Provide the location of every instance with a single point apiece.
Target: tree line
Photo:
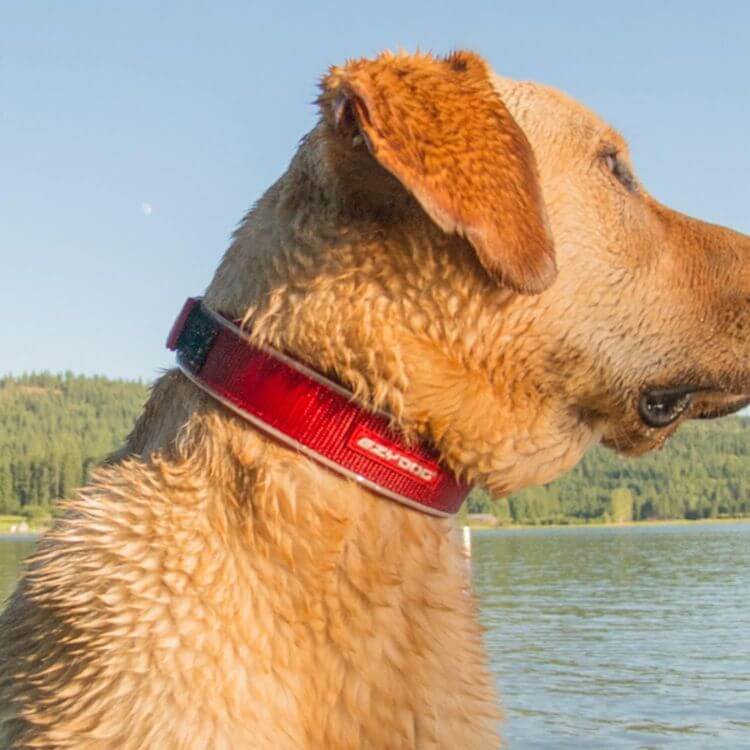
(55, 428)
(703, 472)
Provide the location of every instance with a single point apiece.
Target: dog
(475, 261)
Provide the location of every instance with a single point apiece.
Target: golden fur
(212, 589)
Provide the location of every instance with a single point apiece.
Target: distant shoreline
(37, 530)
(20, 526)
(607, 524)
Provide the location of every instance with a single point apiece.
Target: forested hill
(703, 472)
(53, 428)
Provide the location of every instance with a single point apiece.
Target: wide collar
(309, 413)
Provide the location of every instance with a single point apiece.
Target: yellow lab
(472, 257)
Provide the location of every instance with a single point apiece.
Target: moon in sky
(147, 209)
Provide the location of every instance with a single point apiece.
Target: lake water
(606, 638)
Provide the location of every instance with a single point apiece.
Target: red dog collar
(304, 410)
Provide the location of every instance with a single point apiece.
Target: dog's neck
(306, 411)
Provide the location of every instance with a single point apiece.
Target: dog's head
(647, 322)
(478, 256)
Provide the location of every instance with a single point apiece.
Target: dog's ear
(439, 126)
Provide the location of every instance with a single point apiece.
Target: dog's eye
(620, 170)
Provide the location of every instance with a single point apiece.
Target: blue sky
(134, 135)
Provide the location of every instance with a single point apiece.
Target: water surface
(606, 638)
(13, 549)
(632, 637)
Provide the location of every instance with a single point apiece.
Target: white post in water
(467, 541)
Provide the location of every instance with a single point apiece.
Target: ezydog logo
(373, 446)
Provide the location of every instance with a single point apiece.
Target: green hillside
(54, 428)
(703, 472)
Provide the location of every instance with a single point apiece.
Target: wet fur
(210, 588)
